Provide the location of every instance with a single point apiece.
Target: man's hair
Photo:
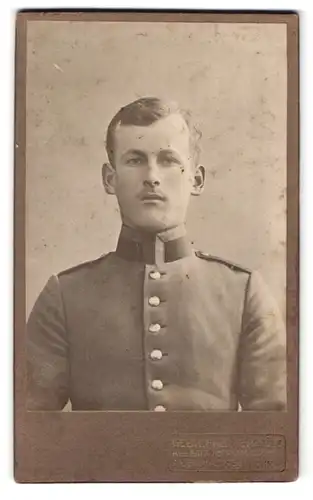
(144, 112)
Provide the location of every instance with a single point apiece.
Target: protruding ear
(198, 180)
(108, 178)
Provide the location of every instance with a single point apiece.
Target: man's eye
(134, 161)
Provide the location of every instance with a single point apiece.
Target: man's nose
(151, 178)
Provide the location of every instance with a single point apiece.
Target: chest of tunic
(155, 337)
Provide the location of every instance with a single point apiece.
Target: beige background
(232, 76)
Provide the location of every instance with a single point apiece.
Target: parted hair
(144, 112)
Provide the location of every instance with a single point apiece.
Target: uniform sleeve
(262, 353)
(47, 351)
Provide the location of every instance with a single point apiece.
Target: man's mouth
(150, 196)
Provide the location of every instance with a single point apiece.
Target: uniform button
(156, 354)
(160, 408)
(157, 385)
(155, 328)
(154, 301)
(155, 275)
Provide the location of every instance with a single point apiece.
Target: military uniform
(156, 326)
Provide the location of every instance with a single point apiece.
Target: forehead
(170, 132)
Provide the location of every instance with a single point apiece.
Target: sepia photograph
(156, 219)
(155, 321)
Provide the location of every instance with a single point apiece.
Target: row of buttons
(156, 354)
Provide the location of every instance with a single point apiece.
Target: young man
(155, 325)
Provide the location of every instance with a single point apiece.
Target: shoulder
(83, 267)
(232, 266)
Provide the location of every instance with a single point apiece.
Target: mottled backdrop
(232, 76)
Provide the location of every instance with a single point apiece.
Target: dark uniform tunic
(156, 326)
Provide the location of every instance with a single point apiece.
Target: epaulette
(231, 265)
(86, 264)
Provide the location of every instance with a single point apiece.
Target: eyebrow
(168, 152)
(136, 152)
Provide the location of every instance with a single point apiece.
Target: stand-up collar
(150, 248)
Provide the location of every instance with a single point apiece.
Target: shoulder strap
(233, 266)
(82, 265)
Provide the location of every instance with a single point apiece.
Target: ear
(198, 180)
(108, 178)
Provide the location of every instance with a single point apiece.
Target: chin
(152, 225)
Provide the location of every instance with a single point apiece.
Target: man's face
(154, 173)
